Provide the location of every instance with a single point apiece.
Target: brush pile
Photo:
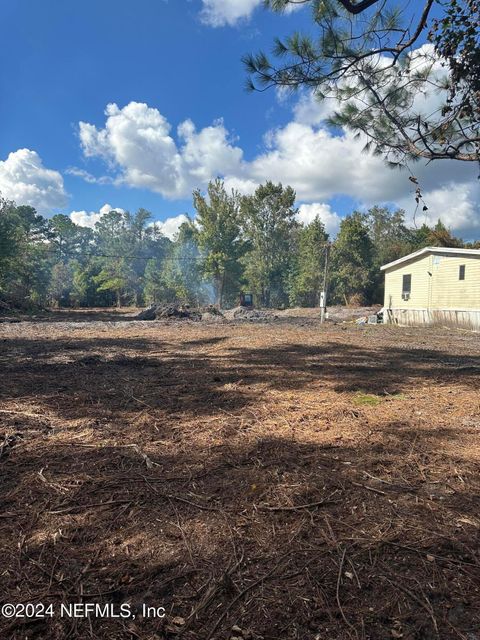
(250, 315)
(179, 312)
(205, 314)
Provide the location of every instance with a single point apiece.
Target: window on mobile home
(407, 284)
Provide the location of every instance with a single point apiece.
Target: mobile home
(435, 285)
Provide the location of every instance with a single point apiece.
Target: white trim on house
(436, 250)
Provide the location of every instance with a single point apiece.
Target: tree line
(235, 243)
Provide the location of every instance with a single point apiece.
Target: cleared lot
(294, 480)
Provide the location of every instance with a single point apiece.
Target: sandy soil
(281, 481)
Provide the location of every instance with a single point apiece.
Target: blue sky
(165, 65)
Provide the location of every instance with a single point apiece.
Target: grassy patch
(367, 399)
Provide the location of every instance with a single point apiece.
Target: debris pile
(179, 312)
(372, 319)
(212, 314)
(250, 315)
(204, 314)
(352, 314)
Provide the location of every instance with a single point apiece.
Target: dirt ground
(283, 480)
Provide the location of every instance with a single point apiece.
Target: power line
(185, 259)
(121, 257)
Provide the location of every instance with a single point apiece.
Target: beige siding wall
(421, 283)
(449, 292)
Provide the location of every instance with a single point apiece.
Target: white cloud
(245, 186)
(218, 13)
(308, 212)
(319, 165)
(309, 110)
(456, 204)
(24, 179)
(208, 152)
(170, 226)
(136, 142)
(90, 219)
(88, 177)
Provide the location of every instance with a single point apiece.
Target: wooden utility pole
(323, 295)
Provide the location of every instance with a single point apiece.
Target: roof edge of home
(420, 252)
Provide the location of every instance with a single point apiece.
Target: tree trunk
(219, 283)
(222, 287)
(266, 298)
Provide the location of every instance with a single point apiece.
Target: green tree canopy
(269, 222)
(307, 273)
(219, 238)
(183, 279)
(352, 273)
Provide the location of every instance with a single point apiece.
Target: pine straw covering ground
(275, 481)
